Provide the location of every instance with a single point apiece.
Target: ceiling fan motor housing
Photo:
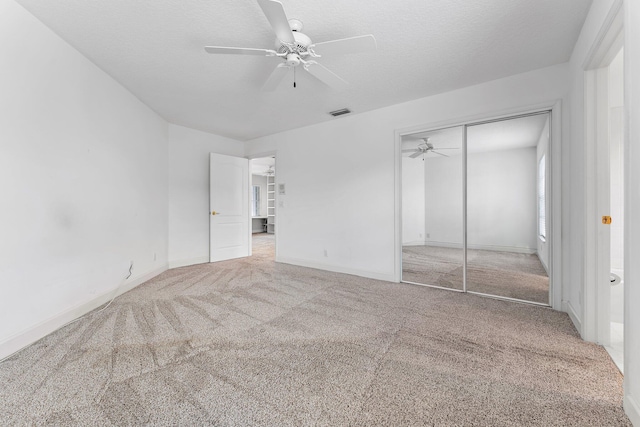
(299, 47)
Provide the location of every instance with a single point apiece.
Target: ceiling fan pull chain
(294, 77)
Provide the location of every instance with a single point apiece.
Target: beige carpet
(506, 274)
(249, 342)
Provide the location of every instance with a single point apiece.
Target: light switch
(281, 189)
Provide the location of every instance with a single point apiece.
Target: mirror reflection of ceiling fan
(296, 48)
(425, 148)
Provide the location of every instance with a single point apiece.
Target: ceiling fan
(296, 48)
(426, 147)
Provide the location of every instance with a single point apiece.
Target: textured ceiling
(155, 49)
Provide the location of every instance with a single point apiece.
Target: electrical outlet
(325, 253)
(155, 256)
(428, 236)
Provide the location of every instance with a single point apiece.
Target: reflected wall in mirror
(507, 252)
(432, 196)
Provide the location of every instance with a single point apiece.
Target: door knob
(215, 213)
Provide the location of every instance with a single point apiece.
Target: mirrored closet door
(506, 209)
(474, 208)
(432, 251)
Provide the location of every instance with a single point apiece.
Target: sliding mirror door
(507, 170)
(432, 214)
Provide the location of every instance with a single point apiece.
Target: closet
(474, 208)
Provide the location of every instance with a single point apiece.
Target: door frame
(555, 219)
(596, 291)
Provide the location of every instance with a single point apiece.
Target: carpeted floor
(250, 342)
(506, 274)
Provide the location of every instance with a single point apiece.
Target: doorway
(475, 208)
(604, 288)
(263, 206)
(611, 255)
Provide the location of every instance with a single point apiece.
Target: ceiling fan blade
(325, 75)
(435, 152)
(416, 154)
(276, 77)
(412, 150)
(349, 45)
(239, 51)
(447, 148)
(274, 11)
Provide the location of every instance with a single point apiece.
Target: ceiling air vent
(337, 113)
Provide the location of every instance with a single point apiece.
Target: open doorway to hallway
(263, 206)
(616, 208)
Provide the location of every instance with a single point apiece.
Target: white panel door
(229, 207)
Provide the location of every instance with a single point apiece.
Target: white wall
(542, 149)
(443, 200)
(501, 200)
(413, 193)
(189, 191)
(83, 178)
(346, 185)
(632, 210)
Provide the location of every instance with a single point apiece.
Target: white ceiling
(507, 134)
(155, 49)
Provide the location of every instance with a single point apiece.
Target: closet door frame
(554, 191)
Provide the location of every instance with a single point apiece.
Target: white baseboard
(514, 249)
(543, 263)
(190, 261)
(632, 409)
(568, 308)
(32, 334)
(414, 243)
(336, 269)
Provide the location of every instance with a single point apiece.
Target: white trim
(30, 335)
(337, 269)
(554, 222)
(632, 409)
(568, 308)
(479, 118)
(397, 200)
(596, 289)
(188, 261)
(609, 40)
(416, 243)
(542, 262)
(495, 248)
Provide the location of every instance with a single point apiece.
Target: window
(255, 201)
(542, 200)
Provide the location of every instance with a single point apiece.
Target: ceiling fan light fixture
(340, 112)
